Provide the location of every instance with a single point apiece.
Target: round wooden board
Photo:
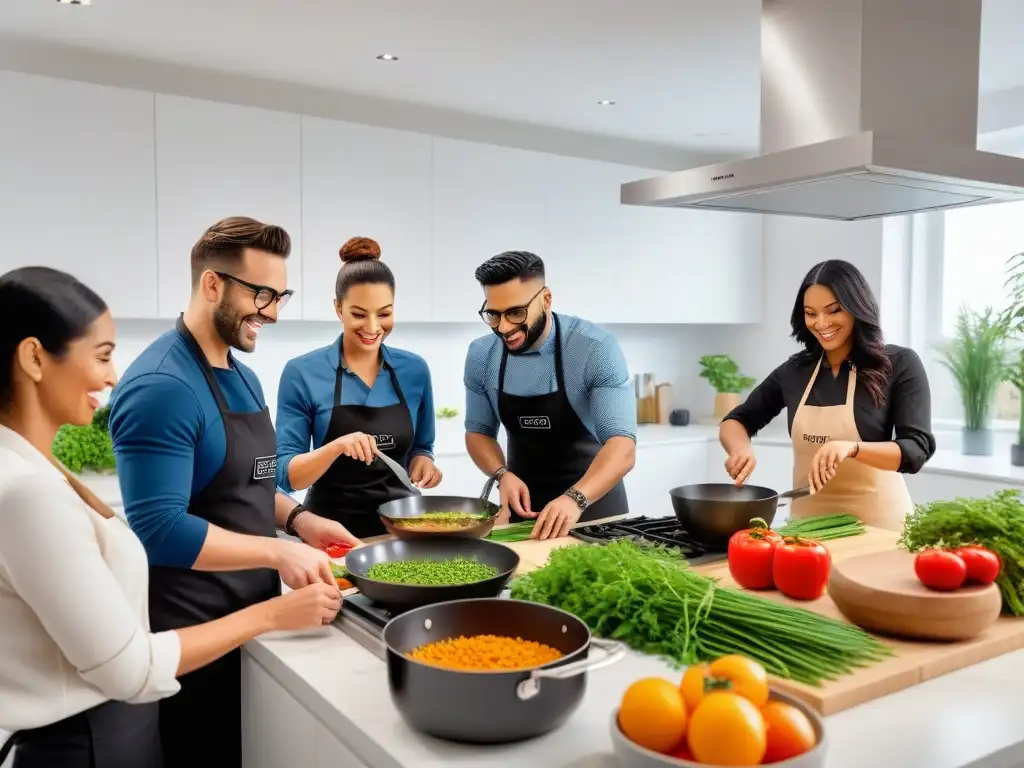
(881, 593)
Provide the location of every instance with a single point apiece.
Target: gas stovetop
(659, 530)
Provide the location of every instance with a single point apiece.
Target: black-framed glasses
(515, 315)
(262, 295)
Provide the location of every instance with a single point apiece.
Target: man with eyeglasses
(560, 387)
(196, 459)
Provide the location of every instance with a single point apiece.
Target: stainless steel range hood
(869, 108)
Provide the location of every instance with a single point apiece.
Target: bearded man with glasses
(196, 460)
(560, 387)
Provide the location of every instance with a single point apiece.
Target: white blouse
(74, 601)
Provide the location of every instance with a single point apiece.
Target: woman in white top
(80, 672)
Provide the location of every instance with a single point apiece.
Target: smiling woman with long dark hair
(859, 410)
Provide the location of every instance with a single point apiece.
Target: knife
(400, 473)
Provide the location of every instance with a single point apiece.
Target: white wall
(669, 351)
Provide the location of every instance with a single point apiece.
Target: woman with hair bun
(339, 404)
(859, 409)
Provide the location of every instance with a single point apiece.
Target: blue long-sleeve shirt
(305, 399)
(597, 379)
(169, 443)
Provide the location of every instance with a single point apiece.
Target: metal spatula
(400, 473)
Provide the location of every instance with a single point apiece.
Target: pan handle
(611, 651)
(485, 494)
(796, 493)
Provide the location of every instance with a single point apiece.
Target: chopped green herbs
(455, 570)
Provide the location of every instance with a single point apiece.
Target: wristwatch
(578, 497)
(289, 526)
(498, 473)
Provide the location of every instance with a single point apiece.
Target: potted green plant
(724, 375)
(87, 448)
(976, 357)
(1014, 374)
(1013, 318)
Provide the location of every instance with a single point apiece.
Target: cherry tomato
(734, 673)
(682, 752)
(983, 564)
(940, 569)
(751, 553)
(337, 550)
(801, 568)
(789, 732)
(726, 729)
(343, 583)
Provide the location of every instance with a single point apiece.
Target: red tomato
(337, 549)
(982, 564)
(751, 554)
(801, 568)
(940, 569)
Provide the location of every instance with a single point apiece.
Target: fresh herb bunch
(723, 374)
(648, 597)
(995, 522)
(824, 528)
(513, 532)
(977, 359)
(85, 448)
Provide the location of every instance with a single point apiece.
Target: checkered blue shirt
(597, 379)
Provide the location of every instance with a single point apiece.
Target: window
(978, 241)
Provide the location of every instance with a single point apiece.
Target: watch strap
(289, 526)
(580, 500)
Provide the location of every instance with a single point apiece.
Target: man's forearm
(485, 452)
(612, 463)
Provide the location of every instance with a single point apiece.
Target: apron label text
(535, 422)
(385, 441)
(264, 468)
(816, 439)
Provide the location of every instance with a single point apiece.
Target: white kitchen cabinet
(486, 199)
(360, 181)
(77, 185)
(276, 729)
(658, 469)
(216, 160)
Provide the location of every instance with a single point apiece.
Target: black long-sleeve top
(905, 416)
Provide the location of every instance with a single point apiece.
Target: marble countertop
(971, 717)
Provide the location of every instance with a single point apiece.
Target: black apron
(350, 490)
(204, 718)
(549, 448)
(111, 735)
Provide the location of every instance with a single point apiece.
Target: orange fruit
(692, 685)
(653, 715)
(790, 732)
(727, 729)
(745, 677)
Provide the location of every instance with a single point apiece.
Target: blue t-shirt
(305, 399)
(596, 376)
(169, 442)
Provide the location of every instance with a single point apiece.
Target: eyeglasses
(514, 315)
(263, 296)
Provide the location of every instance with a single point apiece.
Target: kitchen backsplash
(669, 351)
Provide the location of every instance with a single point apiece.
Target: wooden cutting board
(913, 663)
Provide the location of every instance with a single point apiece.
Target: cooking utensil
(399, 471)
(880, 593)
(491, 707)
(712, 512)
(407, 596)
(632, 755)
(392, 513)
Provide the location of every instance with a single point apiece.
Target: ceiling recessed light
(75, 2)
(606, 103)
(387, 57)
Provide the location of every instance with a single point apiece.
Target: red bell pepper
(801, 568)
(337, 549)
(751, 555)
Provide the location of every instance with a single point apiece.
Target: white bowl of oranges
(720, 714)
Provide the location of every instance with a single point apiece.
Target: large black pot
(491, 707)
(712, 512)
(400, 597)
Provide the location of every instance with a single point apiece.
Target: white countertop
(971, 717)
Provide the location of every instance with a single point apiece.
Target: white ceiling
(683, 72)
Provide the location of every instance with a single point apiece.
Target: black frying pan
(392, 513)
(401, 597)
(712, 512)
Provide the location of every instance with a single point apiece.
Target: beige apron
(877, 497)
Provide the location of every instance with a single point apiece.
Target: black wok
(392, 513)
(712, 512)
(399, 597)
(481, 707)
